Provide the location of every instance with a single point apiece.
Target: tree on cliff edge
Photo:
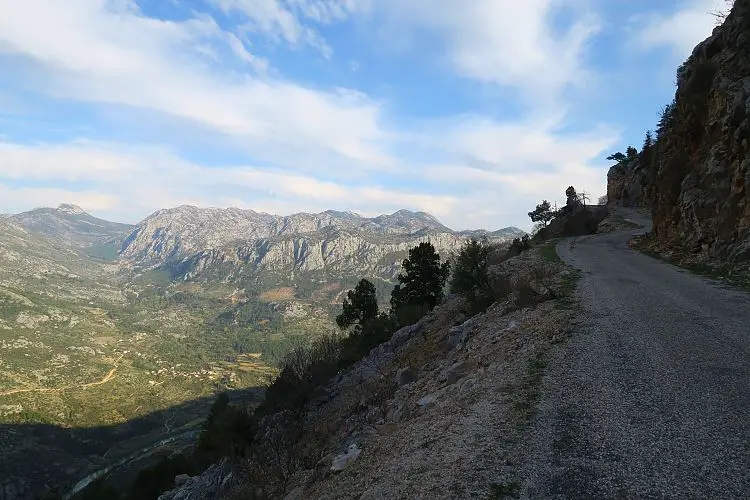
(542, 213)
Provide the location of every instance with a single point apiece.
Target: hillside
(440, 408)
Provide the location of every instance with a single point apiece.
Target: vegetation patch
(277, 295)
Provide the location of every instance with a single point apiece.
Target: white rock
(340, 462)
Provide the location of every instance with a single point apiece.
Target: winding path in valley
(650, 396)
(109, 376)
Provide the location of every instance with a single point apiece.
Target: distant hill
(70, 224)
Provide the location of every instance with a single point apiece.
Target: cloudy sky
(472, 110)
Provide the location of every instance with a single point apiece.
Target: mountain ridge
(194, 243)
(69, 223)
(194, 240)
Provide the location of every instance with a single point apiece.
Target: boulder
(340, 462)
(405, 376)
(181, 479)
(457, 371)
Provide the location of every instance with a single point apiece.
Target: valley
(104, 324)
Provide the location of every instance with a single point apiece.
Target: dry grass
(283, 294)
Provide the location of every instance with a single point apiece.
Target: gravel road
(650, 397)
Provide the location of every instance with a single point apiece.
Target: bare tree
(720, 14)
(584, 197)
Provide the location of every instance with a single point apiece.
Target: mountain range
(195, 243)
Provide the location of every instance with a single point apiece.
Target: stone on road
(650, 396)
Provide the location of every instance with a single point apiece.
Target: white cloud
(521, 145)
(683, 29)
(329, 11)
(283, 20)
(89, 51)
(506, 42)
(116, 173)
(505, 167)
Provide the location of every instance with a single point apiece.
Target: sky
(471, 110)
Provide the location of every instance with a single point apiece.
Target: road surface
(650, 396)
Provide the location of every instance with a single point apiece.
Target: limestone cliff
(702, 183)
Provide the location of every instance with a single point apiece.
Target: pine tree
(360, 305)
(543, 213)
(423, 280)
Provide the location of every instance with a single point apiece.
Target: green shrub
(155, 480)
(373, 333)
(225, 431)
(519, 245)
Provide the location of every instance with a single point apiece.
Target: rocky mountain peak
(71, 209)
(70, 223)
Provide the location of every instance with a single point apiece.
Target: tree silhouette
(572, 200)
(423, 280)
(618, 157)
(360, 305)
(543, 213)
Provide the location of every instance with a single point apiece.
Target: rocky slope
(439, 410)
(70, 224)
(197, 243)
(702, 185)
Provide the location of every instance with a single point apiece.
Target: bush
(373, 333)
(152, 482)
(360, 306)
(303, 369)
(519, 245)
(225, 431)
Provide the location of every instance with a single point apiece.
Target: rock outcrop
(702, 184)
(629, 184)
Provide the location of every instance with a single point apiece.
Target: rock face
(629, 185)
(702, 185)
(203, 242)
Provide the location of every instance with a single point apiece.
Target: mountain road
(650, 395)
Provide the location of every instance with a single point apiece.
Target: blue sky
(472, 110)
